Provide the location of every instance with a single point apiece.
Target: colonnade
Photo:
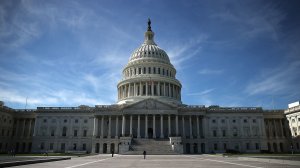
(149, 126)
(149, 88)
(276, 128)
(24, 127)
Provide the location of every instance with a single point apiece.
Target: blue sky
(227, 53)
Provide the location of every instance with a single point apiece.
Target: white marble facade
(149, 107)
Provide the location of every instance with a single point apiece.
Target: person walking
(144, 153)
(112, 153)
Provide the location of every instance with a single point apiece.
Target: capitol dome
(149, 74)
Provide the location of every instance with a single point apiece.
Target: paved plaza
(157, 161)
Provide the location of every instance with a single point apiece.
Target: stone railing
(293, 109)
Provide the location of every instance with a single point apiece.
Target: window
(75, 133)
(213, 121)
(64, 132)
(63, 146)
(163, 72)
(225, 146)
(167, 72)
(234, 132)
(245, 121)
(254, 120)
(215, 146)
(223, 121)
(247, 146)
(65, 121)
(224, 133)
(158, 70)
(76, 121)
(134, 71)
(233, 121)
(84, 146)
(140, 70)
(85, 121)
(144, 71)
(53, 121)
(256, 146)
(149, 70)
(42, 145)
(298, 119)
(74, 146)
(51, 146)
(215, 133)
(45, 121)
(52, 132)
(85, 133)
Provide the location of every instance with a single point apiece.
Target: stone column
(154, 129)
(123, 125)
(169, 89)
(165, 89)
(109, 127)
(281, 127)
(158, 89)
(141, 89)
(176, 122)
(95, 130)
(23, 128)
(173, 90)
(117, 127)
(29, 128)
(275, 128)
(146, 126)
(129, 90)
(198, 130)
(152, 88)
(161, 126)
(134, 89)
(130, 125)
(183, 128)
(35, 128)
(146, 88)
(204, 125)
(102, 125)
(169, 125)
(138, 129)
(191, 128)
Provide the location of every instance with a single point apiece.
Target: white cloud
(210, 71)
(201, 93)
(283, 80)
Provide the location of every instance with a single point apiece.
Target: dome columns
(148, 89)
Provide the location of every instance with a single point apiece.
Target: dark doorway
(275, 147)
(188, 148)
(202, 147)
(150, 132)
(104, 148)
(112, 147)
(195, 147)
(97, 148)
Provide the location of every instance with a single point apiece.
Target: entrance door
(195, 147)
(104, 148)
(188, 148)
(150, 132)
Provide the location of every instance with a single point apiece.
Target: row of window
(234, 121)
(148, 70)
(293, 120)
(63, 146)
(235, 132)
(236, 147)
(65, 121)
(64, 132)
(3, 119)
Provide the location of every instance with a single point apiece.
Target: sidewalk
(8, 161)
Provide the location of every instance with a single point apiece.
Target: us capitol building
(149, 115)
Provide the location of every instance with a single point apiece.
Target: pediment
(150, 104)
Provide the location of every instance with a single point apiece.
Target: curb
(278, 161)
(25, 162)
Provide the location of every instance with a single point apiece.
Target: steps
(151, 146)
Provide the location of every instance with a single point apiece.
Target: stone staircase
(151, 146)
